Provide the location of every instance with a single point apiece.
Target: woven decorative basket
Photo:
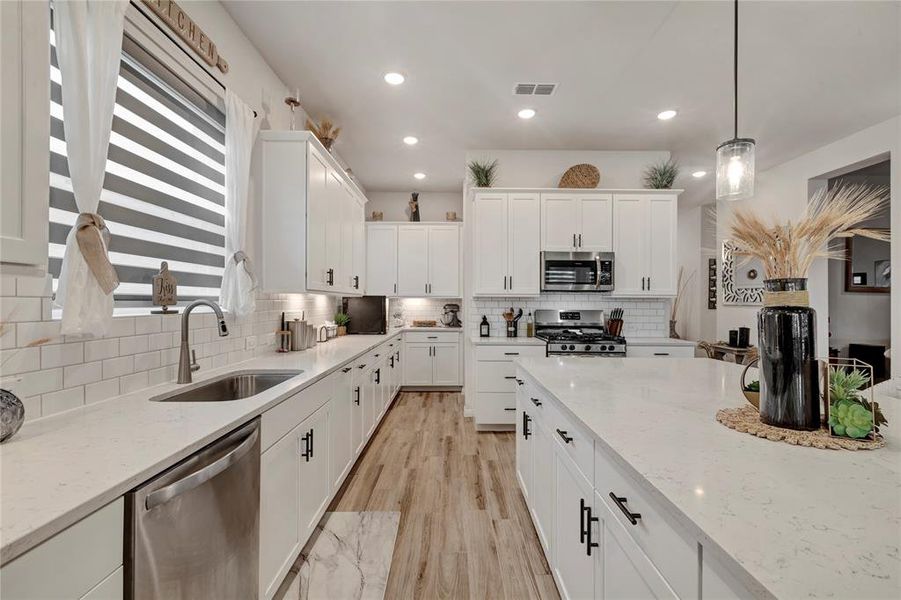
(582, 176)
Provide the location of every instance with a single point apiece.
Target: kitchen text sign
(179, 21)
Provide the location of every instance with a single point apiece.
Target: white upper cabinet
(381, 263)
(413, 260)
(645, 244)
(444, 261)
(506, 257)
(312, 218)
(24, 132)
(573, 222)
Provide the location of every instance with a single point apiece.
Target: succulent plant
(850, 414)
(850, 419)
(754, 386)
(662, 175)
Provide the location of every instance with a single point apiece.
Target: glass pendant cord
(735, 71)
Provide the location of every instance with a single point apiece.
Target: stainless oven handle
(203, 475)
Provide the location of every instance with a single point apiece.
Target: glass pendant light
(735, 157)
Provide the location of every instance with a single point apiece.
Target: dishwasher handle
(201, 476)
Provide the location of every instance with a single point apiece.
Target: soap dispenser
(484, 327)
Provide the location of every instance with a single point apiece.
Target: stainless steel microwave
(577, 271)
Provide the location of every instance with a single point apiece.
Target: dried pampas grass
(787, 250)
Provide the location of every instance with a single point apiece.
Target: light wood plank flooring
(465, 531)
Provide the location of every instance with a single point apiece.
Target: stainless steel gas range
(577, 332)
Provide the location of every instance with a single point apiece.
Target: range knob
(587, 348)
(603, 348)
(571, 347)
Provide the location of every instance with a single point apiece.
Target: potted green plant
(482, 172)
(341, 320)
(662, 175)
(850, 414)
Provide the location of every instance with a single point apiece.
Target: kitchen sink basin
(234, 386)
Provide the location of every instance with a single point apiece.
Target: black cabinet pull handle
(510, 409)
(311, 444)
(307, 453)
(331, 276)
(535, 401)
(580, 240)
(509, 376)
(526, 419)
(357, 393)
(519, 381)
(376, 355)
(356, 282)
(361, 366)
(511, 353)
(621, 503)
(661, 354)
(566, 438)
(649, 282)
(378, 376)
(582, 532)
(391, 361)
(574, 240)
(589, 544)
(346, 369)
(432, 337)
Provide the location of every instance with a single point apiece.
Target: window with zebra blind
(163, 195)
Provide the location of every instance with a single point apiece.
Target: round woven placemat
(583, 176)
(747, 420)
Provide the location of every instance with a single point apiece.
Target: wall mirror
(868, 267)
(742, 278)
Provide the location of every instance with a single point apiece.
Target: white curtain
(237, 294)
(88, 47)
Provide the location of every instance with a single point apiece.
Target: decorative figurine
(414, 208)
(165, 290)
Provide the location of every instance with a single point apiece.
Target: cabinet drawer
(432, 336)
(495, 376)
(510, 353)
(660, 351)
(282, 418)
(496, 408)
(674, 555)
(579, 443)
(71, 563)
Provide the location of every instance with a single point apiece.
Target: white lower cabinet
(680, 351)
(314, 469)
(496, 382)
(357, 427)
(340, 432)
(280, 526)
(602, 536)
(79, 562)
(432, 359)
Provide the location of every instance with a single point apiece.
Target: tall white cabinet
(644, 228)
(506, 244)
(413, 260)
(312, 219)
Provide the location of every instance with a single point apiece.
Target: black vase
(789, 382)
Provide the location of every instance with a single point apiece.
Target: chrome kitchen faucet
(187, 366)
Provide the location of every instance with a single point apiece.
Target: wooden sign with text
(179, 21)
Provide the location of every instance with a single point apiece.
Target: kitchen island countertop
(787, 521)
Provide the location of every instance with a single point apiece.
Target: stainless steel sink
(234, 386)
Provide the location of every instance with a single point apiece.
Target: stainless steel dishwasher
(193, 532)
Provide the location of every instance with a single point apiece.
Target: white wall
(855, 317)
(432, 205)
(688, 239)
(783, 192)
(544, 168)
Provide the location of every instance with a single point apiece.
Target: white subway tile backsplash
(55, 402)
(20, 360)
(101, 349)
(8, 336)
(7, 285)
(60, 355)
(148, 324)
(37, 382)
(160, 341)
(18, 310)
(133, 383)
(147, 361)
(116, 367)
(102, 390)
(134, 344)
(83, 373)
(162, 375)
(121, 327)
(28, 333)
(34, 286)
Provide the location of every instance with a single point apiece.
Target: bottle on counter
(530, 326)
(484, 327)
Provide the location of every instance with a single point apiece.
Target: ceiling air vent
(534, 89)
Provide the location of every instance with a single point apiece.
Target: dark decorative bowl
(12, 414)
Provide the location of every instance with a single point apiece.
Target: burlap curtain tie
(93, 239)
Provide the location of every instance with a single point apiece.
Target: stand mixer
(450, 318)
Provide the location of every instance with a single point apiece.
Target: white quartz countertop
(788, 521)
(658, 341)
(57, 470)
(506, 341)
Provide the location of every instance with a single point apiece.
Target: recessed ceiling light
(394, 78)
(698, 174)
(666, 115)
(411, 140)
(526, 113)
(419, 175)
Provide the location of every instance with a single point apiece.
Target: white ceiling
(811, 72)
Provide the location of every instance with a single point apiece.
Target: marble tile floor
(348, 558)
